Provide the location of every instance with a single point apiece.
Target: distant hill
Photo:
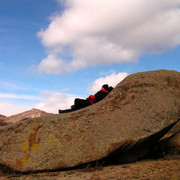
(3, 123)
(33, 113)
(2, 120)
(2, 117)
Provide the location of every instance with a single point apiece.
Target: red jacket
(91, 99)
(98, 96)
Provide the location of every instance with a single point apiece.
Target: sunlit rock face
(138, 107)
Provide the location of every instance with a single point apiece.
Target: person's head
(110, 88)
(106, 87)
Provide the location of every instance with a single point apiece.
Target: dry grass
(167, 168)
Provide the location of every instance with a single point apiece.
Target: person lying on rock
(81, 103)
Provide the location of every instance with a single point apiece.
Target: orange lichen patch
(18, 131)
(58, 136)
(25, 160)
(52, 137)
(32, 143)
(100, 112)
(26, 145)
(59, 150)
(35, 147)
(68, 138)
(34, 137)
(81, 131)
(50, 143)
(51, 140)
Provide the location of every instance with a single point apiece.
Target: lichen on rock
(141, 105)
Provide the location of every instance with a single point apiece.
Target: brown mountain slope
(33, 113)
(2, 117)
(2, 123)
(2, 120)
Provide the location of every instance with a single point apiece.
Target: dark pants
(78, 104)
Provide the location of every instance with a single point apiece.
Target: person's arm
(91, 99)
(100, 95)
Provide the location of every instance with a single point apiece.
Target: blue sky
(52, 51)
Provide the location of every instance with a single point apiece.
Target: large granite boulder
(136, 110)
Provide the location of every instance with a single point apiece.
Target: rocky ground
(167, 168)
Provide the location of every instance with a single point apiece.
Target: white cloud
(49, 101)
(52, 101)
(16, 96)
(104, 32)
(11, 103)
(112, 80)
(8, 109)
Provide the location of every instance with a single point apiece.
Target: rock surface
(171, 145)
(138, 107)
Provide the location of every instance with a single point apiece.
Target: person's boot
(60, 111)
(65, 111)
(73, 107)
